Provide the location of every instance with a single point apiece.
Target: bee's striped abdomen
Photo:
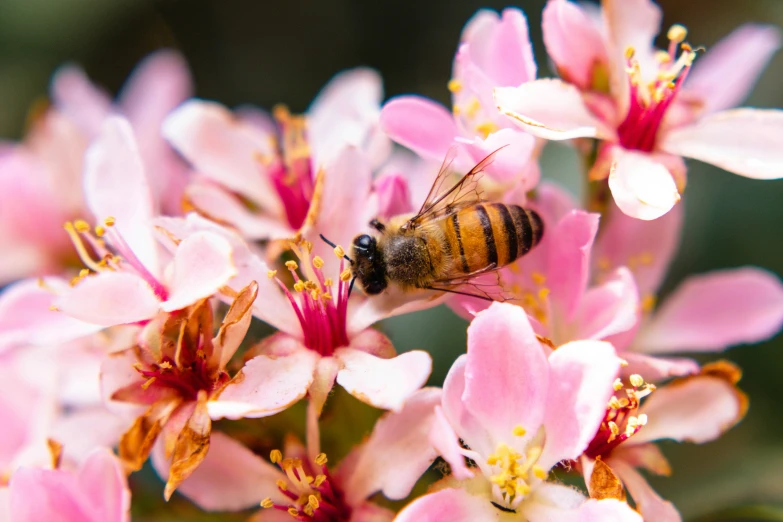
(490, 234)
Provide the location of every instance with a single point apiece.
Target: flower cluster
(167, 226)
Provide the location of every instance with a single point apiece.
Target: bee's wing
(484, 284)
(440, 203)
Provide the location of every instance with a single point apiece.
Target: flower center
(621, 421)
(314, 496)
(512, 473)
(119, 257)
(649, 101)
(293, 176)
(322, 313)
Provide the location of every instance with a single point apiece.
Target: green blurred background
(268, 52)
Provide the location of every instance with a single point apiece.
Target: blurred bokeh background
(268, 52)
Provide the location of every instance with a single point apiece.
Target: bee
(454, 237)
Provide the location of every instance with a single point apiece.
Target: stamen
(81, 251)
(318, 262)
(271, 274)
(519, 431)
(677, 33)
(454, 85)
(339, 252)
(618, 385)
(267, 503)
(276, 456)
(636, 380)
(291, 265)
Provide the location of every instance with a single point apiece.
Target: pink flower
(128, 282)
(705, 313)
(494, 51)
(41, 176)
(516, 411)
(637, 101)
(390, 461)
(695, 409)
(275, 165)
(96, 492)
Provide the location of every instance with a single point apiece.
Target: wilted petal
(110, 298)
(694, 409)
(550, 109)
(224, 148)
(743, 141)
(580, 384)
(641, 187)
(573, 41)
(448, 505)
(383, 383)
(266, 386)
(609, 308)
(651, 505)
(724, 76)
(713, 311)
(202, 264)
(397, 453)
(115, 185)
(420, 124)
(507, 374)
(97, 492)
(235, 324)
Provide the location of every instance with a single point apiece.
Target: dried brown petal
(604, 483)
(191, 448)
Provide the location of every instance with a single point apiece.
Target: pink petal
(646, 247)
(398, 451)
(573, 41)
(651, 505)
(446, 442)
(658, 368)
(75, 95)
(502, 49)
(448, 505)
(393, 195)
(647, 456)
(468, 427)
(743, 141)
(383, 383)
(580, 385)
(607, 509)
(510, 162)
(202, 264)
(506, 374)
(323, 382)
(26, 316)
(642, 188)
(98, 492)
(369, 512)
(724, 76)
(550, 109)
(225, 149)
(115, 185)
(110, 298)
(559, 503)
(695, 409)
(713, 311)
(610, 308)
(569, 259)
(230, 478)
(266, 386)
(420, 124)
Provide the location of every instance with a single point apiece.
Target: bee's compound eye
(364, 242)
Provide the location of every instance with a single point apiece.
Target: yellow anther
(319, 479)
(99, 231)
(53, 308)
(473, 107)
(326, 296)
(519, 431)
(314, 294)
(281, 112)
(293, 512)
(543, 293)
(267, 503)
(312, 501)
(318, 262)
(455, 85)
(618, 385)
(308, 510)
(339, 252)
(328, 282)
(291, 265)
(345, 275)
(538, 278)
(299, 286)
(623, 363)
(109, 221)
(636, 380)
(613, 402)
(281, 484)
(624, 402)
(688, 50)
(165, 365)
(646, 258)
(81, 226)
(455, 110)
(310, 285)
(275, 456)
(486, 128)
(629, 52)
(271, 273)
(648, 303)
(148, 383)
(662, 56)
(539, 472)
(677, 33)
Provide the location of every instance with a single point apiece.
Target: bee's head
(368, 265)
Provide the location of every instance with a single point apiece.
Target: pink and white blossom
(636, 100)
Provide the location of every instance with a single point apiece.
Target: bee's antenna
(335, 246)
(350, 288)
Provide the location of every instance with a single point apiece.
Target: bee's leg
(377, 225)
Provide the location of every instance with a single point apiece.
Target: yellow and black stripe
(492, 234)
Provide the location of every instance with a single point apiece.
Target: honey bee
(454, 237)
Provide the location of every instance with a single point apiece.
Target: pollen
(636, 380)
(293, 512)
(455, 85)
(538, 278)
(81, 226)
(629, 52)
(312, 501)
(318, 262)
(519, 431)
(539, 472)
(648, 303)
(339, 251)
(267, 503)
(319, 479)
(321, 459)
(299, 286)
(100, 231)
(328, 282)
(291, 265)
(271, 274)
(345, 275)
(486, 128)
(543, 293)
(618, 385)
(276, 456)
(109, 221)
